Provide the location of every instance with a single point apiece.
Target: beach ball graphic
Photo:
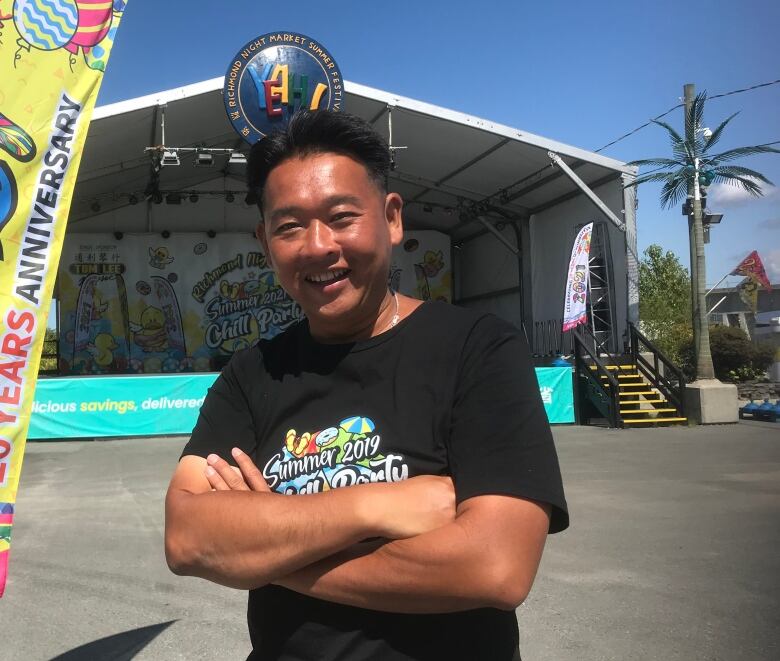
(94, 22)
(46, 24)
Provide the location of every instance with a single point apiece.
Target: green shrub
(734, 357)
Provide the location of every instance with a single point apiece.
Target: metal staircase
(640, 389)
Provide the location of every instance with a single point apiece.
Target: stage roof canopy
(450, 163)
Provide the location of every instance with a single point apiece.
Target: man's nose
(319, 240)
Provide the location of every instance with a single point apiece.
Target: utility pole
(701, 330)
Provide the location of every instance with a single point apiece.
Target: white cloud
(725, 195)
(771, 262)
(769, 224)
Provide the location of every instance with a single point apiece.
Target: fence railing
(595, 385)
(670, 381)
(548, 340)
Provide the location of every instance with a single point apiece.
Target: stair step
(637, 392)
(636, 411)
(623, 376)
(615, 367)
(643, 401)
(642, 384)
(653, 420)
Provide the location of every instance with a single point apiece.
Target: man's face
(328, 233)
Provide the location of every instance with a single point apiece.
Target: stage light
(118, 236)
(194, 197)
(211, 234)
(95, 206)
(165, 234)
(237, 158)
(173, 198)
(170, 157)
(229, 197)
(133, 199)
(204, 160)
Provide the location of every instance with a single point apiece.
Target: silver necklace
(396, 317)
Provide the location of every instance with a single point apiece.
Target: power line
(680, 105)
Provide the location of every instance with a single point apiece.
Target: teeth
(327, 276)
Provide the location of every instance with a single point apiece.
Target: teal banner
(100, 406)
(89, 407)
(557, 390)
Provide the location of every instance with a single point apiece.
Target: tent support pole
(557, 160)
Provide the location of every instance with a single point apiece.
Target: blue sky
(579, 72)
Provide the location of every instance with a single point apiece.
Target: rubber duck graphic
(101, 349)
(160, 257)
(151, 335)
(433, 262)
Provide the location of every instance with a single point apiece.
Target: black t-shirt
(447, 391)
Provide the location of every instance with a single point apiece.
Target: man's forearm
(228, 527)
(445, 570)
(245, 539)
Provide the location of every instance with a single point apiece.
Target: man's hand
(224, 477)
(401, 509)
(414, 506)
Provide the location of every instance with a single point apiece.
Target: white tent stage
(510, 212)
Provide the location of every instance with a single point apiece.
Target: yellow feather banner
(52, 57)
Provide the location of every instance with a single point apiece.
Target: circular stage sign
(276, 74)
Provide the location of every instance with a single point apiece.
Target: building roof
(450, 161)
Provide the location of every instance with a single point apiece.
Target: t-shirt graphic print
(343, 455)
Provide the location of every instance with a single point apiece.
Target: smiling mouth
(328, 277)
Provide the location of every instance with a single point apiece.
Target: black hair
(317, 132)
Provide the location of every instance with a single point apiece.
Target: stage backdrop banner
(94, 407)
(144, 304)
(101, 406)
(574, 305)
(52, 57)
(557, 390)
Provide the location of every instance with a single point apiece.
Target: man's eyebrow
(332, 201)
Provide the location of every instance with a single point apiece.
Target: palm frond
(652, 176)
(739, 152)
(744, 183)
(674, 191)
(739, 171)
(695, 117)
(717, 133)
(675, 138)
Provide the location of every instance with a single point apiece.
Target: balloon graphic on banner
(16, 141)
(94, 23)
(44, 24)
(6, 12)
(96, 57)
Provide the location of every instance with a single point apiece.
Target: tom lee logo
(276, 74)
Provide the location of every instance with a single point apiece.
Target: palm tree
(694, 167)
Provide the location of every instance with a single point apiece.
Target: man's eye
(285, 227)
(343, 215)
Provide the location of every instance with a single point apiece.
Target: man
(395, 477)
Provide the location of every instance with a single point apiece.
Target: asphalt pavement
(673, 554)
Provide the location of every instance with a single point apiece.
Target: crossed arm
(228, 527)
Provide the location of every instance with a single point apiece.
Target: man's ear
(260, 236)
(394, 206)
